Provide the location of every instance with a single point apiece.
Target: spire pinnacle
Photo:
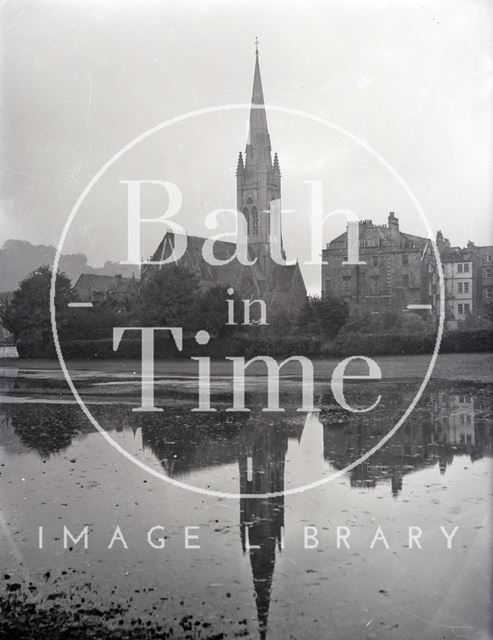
(275, 165)
(240, 168)
(257, 42)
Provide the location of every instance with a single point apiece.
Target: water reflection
(448, 422)
(259, 445)
(47, 430)
(262, 463)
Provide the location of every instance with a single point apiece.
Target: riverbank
(467, 367)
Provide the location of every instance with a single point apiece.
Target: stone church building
(258, 189)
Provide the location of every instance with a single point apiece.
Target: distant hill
(18, 258)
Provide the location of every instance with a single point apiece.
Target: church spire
(258, 135)
(257, 93)
(258, 179)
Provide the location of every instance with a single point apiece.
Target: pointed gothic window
(247, 218)
(254, 220)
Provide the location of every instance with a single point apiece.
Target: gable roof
(417, 241)
(456, 254)
(89, 282)
(194, 260)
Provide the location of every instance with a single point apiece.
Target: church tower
(258, 177)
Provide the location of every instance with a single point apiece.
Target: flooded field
(398, 546)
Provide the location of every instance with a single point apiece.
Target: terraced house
(397, 272)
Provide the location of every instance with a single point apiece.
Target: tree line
(170, 297)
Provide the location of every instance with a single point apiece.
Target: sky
(80, 79)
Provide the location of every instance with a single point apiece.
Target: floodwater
(329, 562)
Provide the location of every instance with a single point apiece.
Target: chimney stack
(392, 220)
(393, 224)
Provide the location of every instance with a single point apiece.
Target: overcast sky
(80, 79)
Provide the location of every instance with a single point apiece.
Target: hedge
(281, 347)
(398, 344)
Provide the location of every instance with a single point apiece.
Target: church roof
(194, 260)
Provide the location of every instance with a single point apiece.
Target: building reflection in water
(448, 422)
(262, 462)
(260, 448)
(445, 425)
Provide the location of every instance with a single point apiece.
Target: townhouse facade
(398, 272)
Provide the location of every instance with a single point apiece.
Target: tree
(358, 322)
(280, 322)
(27, 315)
(98, 322)
(322, 317)
(168, 297)
(413, 323)
(212, 311)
